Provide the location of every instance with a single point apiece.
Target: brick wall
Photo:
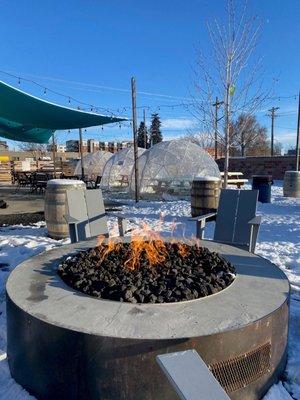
(275, 166)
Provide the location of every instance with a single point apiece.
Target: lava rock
(198, 273)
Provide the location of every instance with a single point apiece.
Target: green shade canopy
(26, 118)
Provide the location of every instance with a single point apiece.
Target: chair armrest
(121, 217)
(255, 221)
(201, 217)
(71, 220)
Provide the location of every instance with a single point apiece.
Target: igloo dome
(168, 168)
(118, 169)
(93, 164)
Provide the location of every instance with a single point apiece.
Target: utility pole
(272, 115)
(298, 136)
(145, 132)
(134, 131)
(217, 105)
(54, 155)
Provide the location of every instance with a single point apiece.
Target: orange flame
(146, 244)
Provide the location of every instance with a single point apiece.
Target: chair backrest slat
(77, 209)
(96, 212)
(246, 210)
(225, 221)
(236, 209)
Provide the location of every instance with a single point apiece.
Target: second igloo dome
(118, 169)
(170, 166)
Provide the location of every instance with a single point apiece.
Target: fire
(148, 242)
(112, 245)
(182, 249)
(145, 243)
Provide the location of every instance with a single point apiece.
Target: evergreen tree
(155, 132)
(142, 136)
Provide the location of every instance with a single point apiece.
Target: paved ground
(21, 201)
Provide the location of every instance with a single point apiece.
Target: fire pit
(66, 344)
(150, 271)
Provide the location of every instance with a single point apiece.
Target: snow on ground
(279, 241)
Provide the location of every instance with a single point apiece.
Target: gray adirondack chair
(190, 376)
(236, 220)
(86, 215)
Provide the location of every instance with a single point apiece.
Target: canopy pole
(134, 130)
(54, 155)
(81, 153)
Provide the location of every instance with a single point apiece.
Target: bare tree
(227, 73)
(202, 139)
(36, 149)
(248, 135)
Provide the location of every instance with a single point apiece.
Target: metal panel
(238, 372)
(96, 212)
(225, 222)
(246, 210)
(190, 377)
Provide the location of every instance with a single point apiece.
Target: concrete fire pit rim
(31, 287)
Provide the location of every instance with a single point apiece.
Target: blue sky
(90, 49)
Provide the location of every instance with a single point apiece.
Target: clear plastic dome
(168, 168)
(118, 169)
(93, 163)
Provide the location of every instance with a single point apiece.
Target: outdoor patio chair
(86, 215)
(190, 376)
(236, 220)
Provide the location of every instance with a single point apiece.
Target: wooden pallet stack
(5, 171)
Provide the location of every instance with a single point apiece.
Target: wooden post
(134, 130)
(298, 136)
(54, 155)
(145, 135)
(81, 153)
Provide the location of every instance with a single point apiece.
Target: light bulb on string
(45, 91)
(19, 81)
(69, 100)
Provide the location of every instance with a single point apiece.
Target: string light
(184, 105)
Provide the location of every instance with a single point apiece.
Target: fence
(275, 166)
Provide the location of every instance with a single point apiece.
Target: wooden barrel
(205, 193)
(56, 206)
(291, 184)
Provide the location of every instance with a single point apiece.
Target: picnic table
(171, 185)
(235, 178)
